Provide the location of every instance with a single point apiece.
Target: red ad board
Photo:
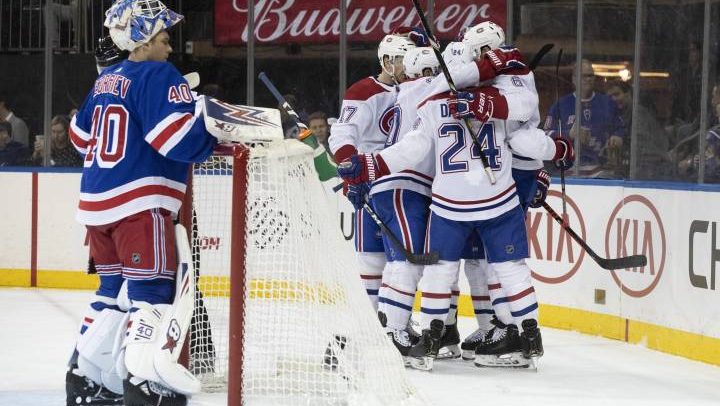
(318, 21)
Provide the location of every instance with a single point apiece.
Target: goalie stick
(451, 84)
(632, 261)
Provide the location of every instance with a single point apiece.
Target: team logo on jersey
(516, 81)
(135, 258)
(386, 120)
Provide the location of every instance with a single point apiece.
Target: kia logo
(635, 227)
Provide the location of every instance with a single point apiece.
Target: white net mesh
(311, 335)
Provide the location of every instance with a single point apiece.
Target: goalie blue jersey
(139, 129)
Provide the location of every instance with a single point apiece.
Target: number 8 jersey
(139, 129)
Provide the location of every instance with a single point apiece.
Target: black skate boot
(81, 390)
(531, 340)
(383, 319)
(470, 343)
(449, 343)
(334, 348)
(144, 393)
(426, 350)
(401, 340)
(412, 329)
(501, 349)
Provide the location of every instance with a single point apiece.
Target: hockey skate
(531, 342)
(449, 343)
(401, 340)
(470, 343)
(501, 349)
(426, 350)
(144, 393)
(81, 390)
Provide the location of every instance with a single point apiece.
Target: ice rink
(39, 326)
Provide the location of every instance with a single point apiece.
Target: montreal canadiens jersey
(461, 190)
(419, 178)
(139, 129)
(365, 118)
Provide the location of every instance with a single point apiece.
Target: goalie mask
(393, 46)
(135, 22)
(485, 34)
(417, 60)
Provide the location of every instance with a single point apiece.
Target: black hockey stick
(559, 124)
(283, 103)
(417, 259)
(540, 55)
(451, 84)
(632, 261)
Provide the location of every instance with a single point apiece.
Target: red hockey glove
(482, 104)
(362, 168)
(542, 181)
(499, 61)
(344, 152)
(564, 153)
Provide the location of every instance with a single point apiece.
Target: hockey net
(307, 333)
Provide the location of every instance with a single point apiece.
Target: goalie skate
(502, 349)
(145, 393)
(426, 350)
(449, 343)
(83, 391)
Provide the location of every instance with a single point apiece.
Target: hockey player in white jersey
(464, 200)
(364, 126)
(402, 202)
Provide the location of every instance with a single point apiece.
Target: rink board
(669, 305)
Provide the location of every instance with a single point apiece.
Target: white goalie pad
(231, 123)
(95, 356)
(157, 332)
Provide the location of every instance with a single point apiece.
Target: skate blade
(468, 355)
(422, 363)
(407, 361)
(449, 352)
(511, 360)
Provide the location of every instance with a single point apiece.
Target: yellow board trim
(672, 341)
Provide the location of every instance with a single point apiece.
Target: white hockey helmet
(135, 22)
(418, 59)
(393, 46)
(485, 34)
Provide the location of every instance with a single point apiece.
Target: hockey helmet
(485, 34)
(393, 46)
(418, 59)
(135, 22)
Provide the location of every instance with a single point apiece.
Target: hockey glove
(542, 181)
(357, 194)
(416, 34)
(499, 61)
(481, 104)
(564, 154)
(361, 168)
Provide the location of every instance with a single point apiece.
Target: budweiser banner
(318, 21)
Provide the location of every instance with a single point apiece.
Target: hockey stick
(283, 103)
(451, 84)
(540, 55)
(632, 261)
(559, 124)
(417, 259)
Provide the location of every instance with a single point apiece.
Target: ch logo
(635, 227)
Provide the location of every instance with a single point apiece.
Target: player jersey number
(448, 158)
(108, 137)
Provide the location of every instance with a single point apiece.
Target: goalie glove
(542, 183)
(482, 104)
(500, 61)
(362, 168)
(564, 154)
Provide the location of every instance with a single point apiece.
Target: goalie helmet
(107, 53)
(485, 34)
(418, 59)
(393, 46)
(135, 22)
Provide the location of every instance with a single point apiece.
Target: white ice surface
(37, 328)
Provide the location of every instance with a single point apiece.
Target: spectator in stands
(600, 131)
(685, 152)
(652, 141)
(686, 85)
(12, 153)
(318, 124)
(62, 153)
(19, 128)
